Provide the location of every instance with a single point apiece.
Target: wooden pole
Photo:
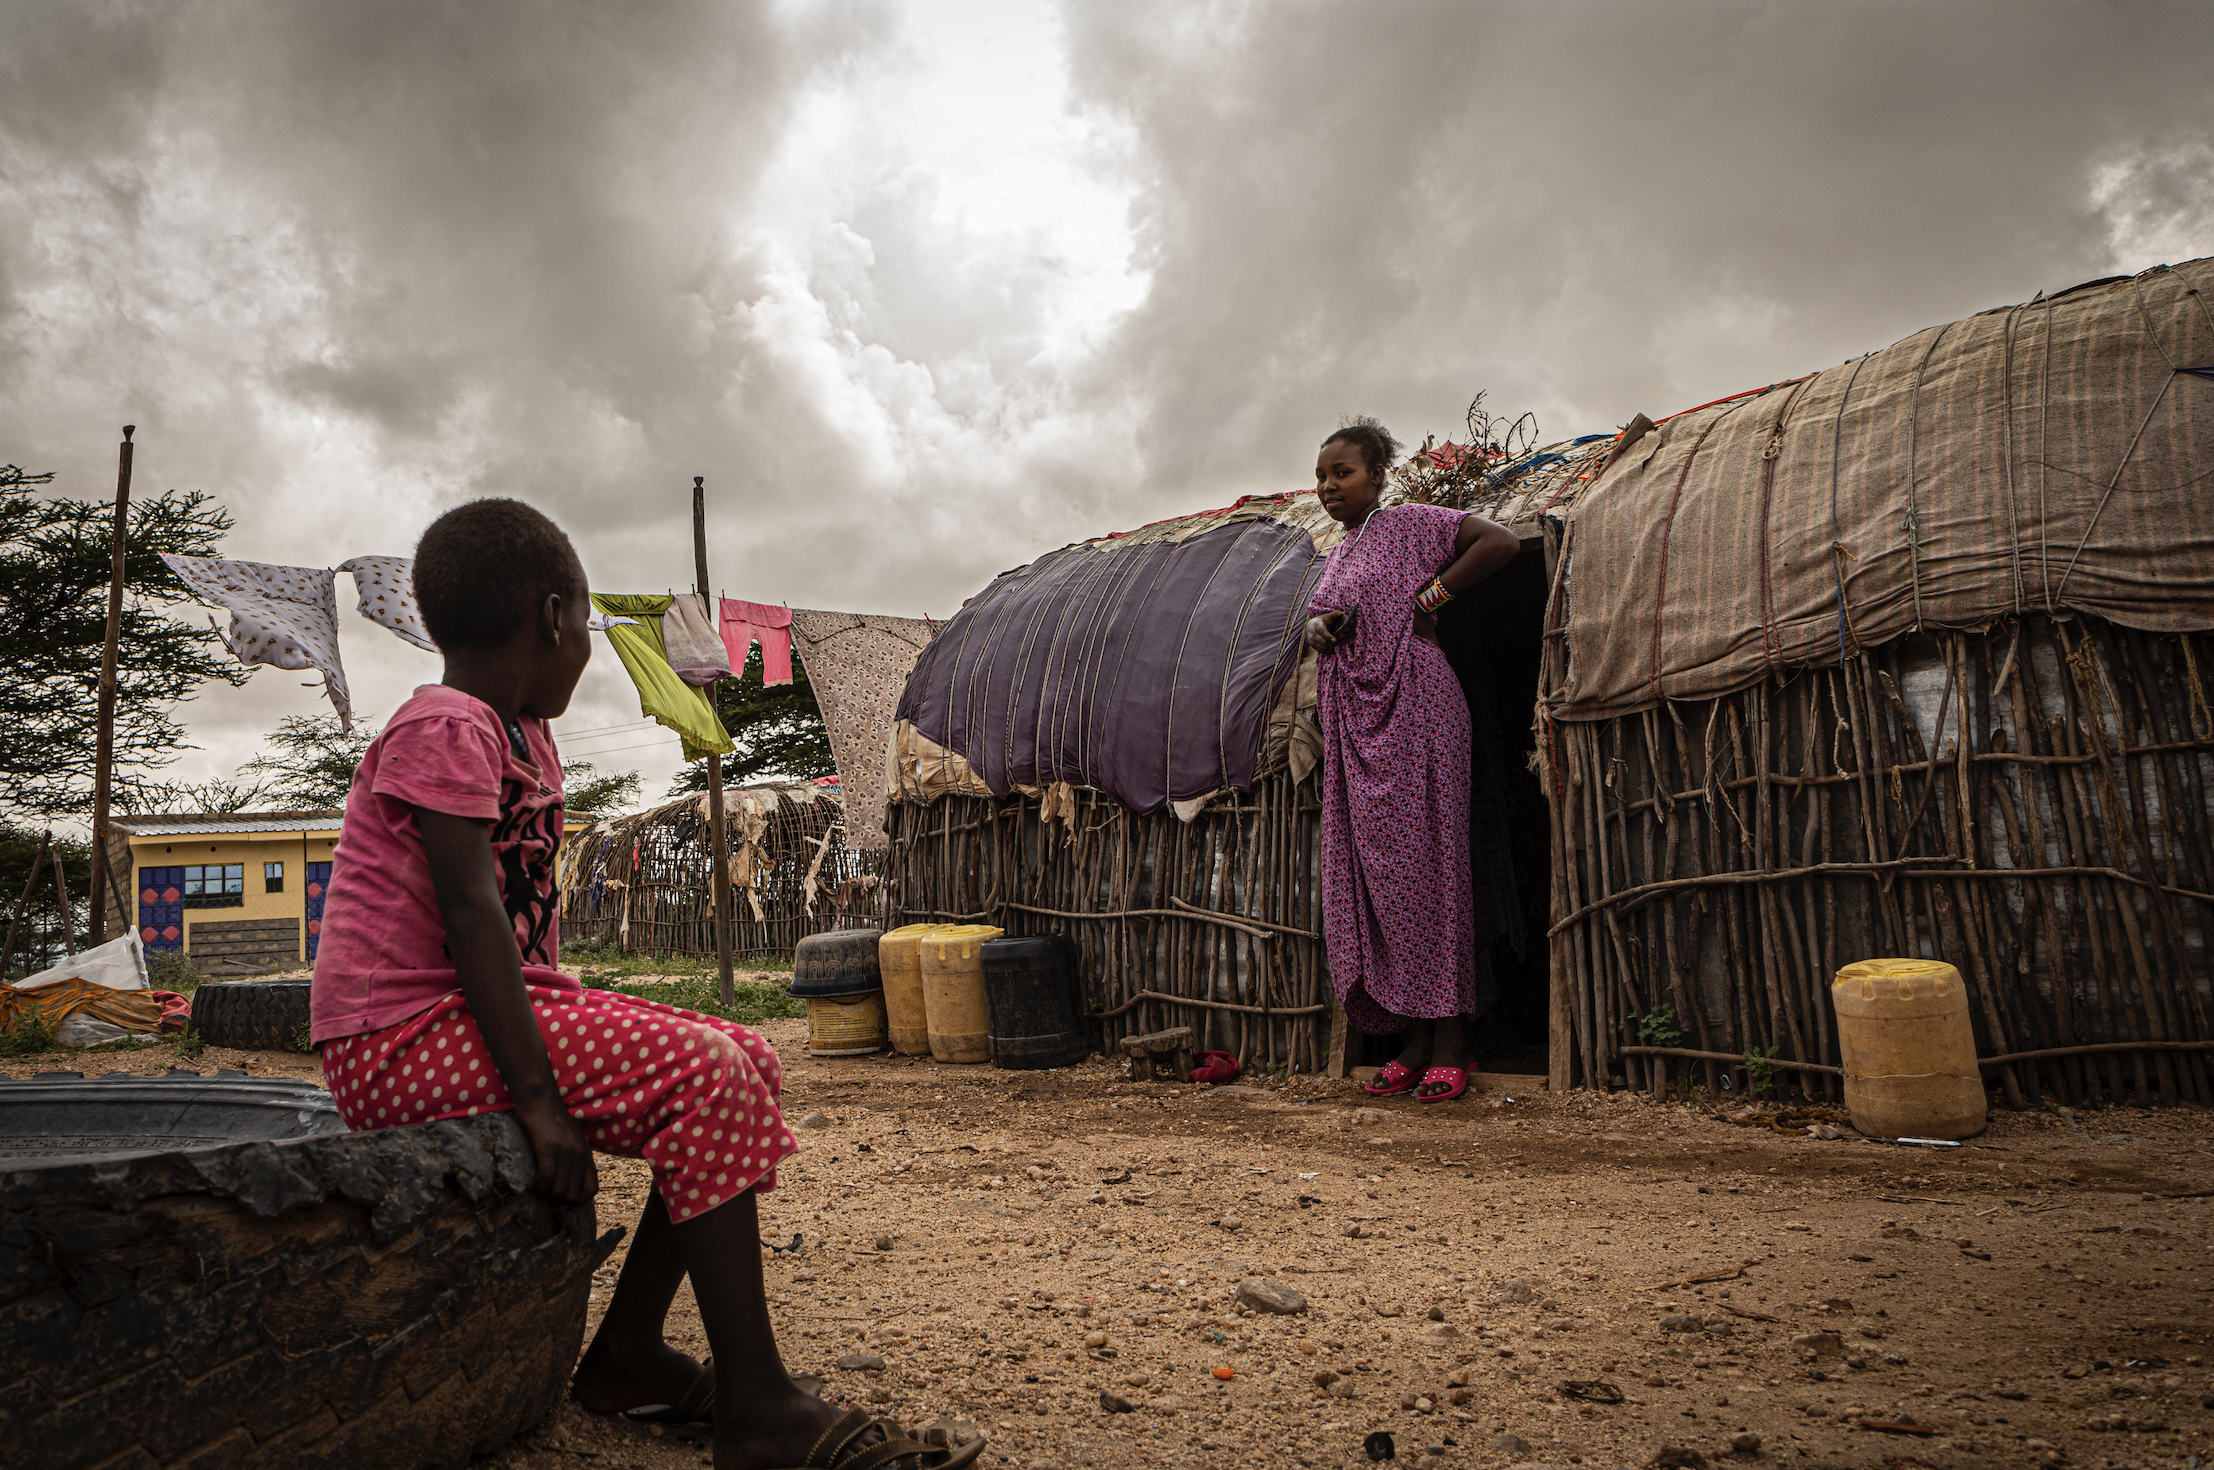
(718, 887)
(61, 896)
(103, 759)
(15, 920)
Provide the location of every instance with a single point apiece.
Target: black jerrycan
(1031, 993)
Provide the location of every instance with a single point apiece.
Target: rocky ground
(1518, 1278)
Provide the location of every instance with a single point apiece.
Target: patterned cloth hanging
(384, 588)
(285, 617)
(857, 664)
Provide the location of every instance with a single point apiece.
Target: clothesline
(603, 729)
(287, 617)
(617, 749)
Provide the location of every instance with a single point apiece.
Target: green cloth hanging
(661, 693)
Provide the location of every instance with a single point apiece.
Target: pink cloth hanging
(767, 623)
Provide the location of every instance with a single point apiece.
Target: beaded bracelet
(1433, 597)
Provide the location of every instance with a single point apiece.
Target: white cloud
(2158, 203)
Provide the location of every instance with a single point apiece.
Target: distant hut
(640, 883)
(1907, 657)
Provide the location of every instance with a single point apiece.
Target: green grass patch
(170, 970)
(31, 1035)
(124, 1043)
(615, 964)
(688, 981)
(757, 1001)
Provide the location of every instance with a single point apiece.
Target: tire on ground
(251, 1015)
(836, 962)
(396, 1298)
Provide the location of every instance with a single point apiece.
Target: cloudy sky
(926, 288)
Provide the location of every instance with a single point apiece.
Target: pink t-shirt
(382, 953)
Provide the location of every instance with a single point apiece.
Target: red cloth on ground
(176, 1011)
(767, 623)
(1215, 1067)
(693, 1096)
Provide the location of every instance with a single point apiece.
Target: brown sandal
(697, 1406)
(897, 1452)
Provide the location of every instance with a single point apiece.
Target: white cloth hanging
(285, 617)
(696, 650)
(384, 590)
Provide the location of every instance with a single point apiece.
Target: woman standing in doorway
(1396, 901)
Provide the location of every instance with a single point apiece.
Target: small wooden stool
(1149, 1053)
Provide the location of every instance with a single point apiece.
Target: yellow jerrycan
(1909, 1050)
(899, 961)
(953, 992)
(845, 1026)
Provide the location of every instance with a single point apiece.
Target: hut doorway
(1494, 639)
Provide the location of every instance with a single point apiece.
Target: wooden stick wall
(640, 882)
(1724, 859)
(1215, 923)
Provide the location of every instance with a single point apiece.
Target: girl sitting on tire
(436, 996)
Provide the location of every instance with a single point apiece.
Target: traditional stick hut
(1903, 658)
(640, 883)
(1118, 742)
(1899, 658)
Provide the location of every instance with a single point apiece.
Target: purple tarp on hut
(1056, 671)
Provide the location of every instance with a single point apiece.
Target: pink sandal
(1458, 1076)
(1391, 1080)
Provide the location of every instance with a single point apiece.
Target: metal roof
(207, 824)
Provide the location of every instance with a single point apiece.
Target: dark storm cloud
(1599, 209)
(349, 263)
(494, 241)
(346, 264)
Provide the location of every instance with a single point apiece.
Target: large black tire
(393, 1299)
(251, 1015)
(59, 1118)
(835, 963)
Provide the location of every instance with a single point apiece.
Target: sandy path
(1014, 1235)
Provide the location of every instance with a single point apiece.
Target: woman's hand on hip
(1425, 626)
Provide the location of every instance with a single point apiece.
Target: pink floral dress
(1395, 783)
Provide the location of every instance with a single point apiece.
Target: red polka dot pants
(693, 1096)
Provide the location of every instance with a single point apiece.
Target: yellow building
(237, 890)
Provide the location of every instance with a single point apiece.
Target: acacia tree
(137, 795)
(54, 571)
(307, 763)
(600, 796)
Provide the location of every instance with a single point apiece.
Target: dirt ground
(1015, 1245)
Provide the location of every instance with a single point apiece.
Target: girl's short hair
(1378, 449)
(482, 568)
